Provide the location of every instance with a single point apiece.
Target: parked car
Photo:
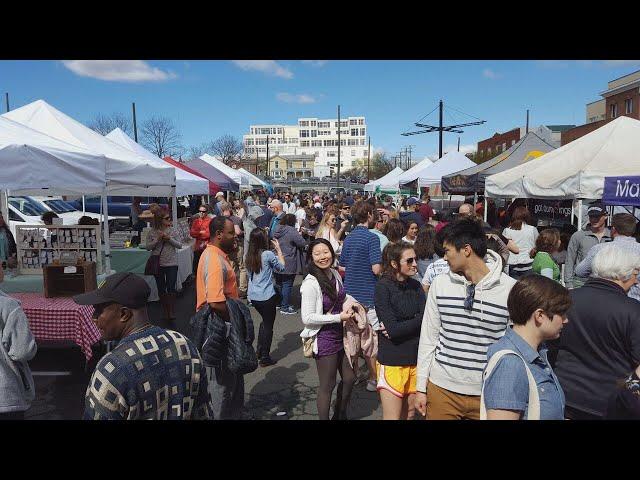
(337, 190)
(22, 213)
(66, 211)
(304, 180)
(314, 179)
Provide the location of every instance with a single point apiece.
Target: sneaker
(266, 362)
(372, 386)
(288, 311)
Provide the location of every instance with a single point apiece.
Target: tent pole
(83, 207)
(485, 208)
(580, 214)
(475, 199)
(105, 228)
(174, 207)
(572, 211)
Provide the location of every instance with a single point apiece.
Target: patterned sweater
(155, 374)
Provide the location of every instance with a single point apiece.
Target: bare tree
(104, 124)
(160, 136)
(380, 166)
(227, 147)
(196, 151)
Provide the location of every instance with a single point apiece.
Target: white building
(312, 136)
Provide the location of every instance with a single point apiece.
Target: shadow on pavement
(289, 343)
(280, 390)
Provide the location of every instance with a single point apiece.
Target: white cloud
(269, 67)
(295, 98)
(490, 74)
(118, 70)
(315, 63)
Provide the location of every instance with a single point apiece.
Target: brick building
(622, 97)
(500, 142)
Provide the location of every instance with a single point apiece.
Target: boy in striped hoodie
(466, 312)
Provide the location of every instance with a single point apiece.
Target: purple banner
(623, 191)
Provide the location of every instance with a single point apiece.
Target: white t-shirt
(439, 267)
(525, 239)
(405, 239)
(301, 215)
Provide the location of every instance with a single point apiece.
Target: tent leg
(105, 228)
(174, 208)
(572, 212)
(486, 203)
(84, 211)
(475, 199)
(580, 214)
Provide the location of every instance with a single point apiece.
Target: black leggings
(166, 280)
(327, 368)
(267, 310)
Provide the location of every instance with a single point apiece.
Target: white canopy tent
(577, 169)
(253, 180)
(236, 175)
(411, 174)
(130, 174)
(186, 183)
(388, 181)
(448, 164)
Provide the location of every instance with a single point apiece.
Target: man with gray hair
(601, 343)
(278, 212)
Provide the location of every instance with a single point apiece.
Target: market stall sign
(622, 191)
(550, 209)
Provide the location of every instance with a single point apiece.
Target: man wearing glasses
(289, 206)
(200, 231)
(466, 312)
(345, 215)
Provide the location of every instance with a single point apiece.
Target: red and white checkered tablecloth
(60, 319)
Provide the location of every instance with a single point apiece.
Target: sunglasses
(410, 260)
(166, 218)
(202, 211)
(468, 301)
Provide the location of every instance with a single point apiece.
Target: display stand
(39, 245)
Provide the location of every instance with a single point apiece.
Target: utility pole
(6, 99)
(135, 125)
(442, 128)
(268, 155)
(369, 160)
(527, 128)
(339, 128)
(458, 144)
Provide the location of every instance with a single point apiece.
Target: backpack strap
(533, 411)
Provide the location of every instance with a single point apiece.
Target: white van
(65, 210)
(27, 216)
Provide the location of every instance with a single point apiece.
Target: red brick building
(622, 97)
(500, 142)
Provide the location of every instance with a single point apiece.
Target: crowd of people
(452, 316)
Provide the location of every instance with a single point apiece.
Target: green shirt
(546, 266)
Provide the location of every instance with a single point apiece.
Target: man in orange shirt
(200, 231)
(225, 387)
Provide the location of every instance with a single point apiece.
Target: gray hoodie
(291, 244)
(18, 346)
(580, 243)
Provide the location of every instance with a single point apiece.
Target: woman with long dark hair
(425, 249)
(400, 303)
(292, 244)
(261, 263)
(323, 297)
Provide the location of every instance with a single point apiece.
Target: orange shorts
(400, 381)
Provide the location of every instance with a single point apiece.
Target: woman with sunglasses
(200, 231)
(327, 230)
(400, 303)
(162, 241)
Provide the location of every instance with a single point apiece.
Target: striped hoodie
(453, 341)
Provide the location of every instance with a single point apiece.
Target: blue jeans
(284, 282)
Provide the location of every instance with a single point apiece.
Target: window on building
(273, 131)
(312, 123)
(316, 143)
(304, 143)
(353, 153)
(363, 132)
(304, 133)
(332, 153)
(362, 141)
(280, 131)
(324, 124)
(354, 132)
(275, 164)
(504, 146)
(513, 142)
(317, 154)
(353, 122)
(488, 150)
(364, 153)
(628, 106)
(303, 123)
(613, 109)
(248, 141)
(361, 121)
(314, 133)
(304, 164)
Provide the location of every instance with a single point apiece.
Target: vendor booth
(577, 170)
(237, 176)
(472, 180)
(450, 162)
(213, 174)
(388, 182)
(213, 187)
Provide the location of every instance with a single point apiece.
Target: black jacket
(599, 345)
(11, 241)
(400, 306)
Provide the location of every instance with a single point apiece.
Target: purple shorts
(330, 340)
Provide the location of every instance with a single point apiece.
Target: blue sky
(207, 99)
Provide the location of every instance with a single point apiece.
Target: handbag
(533, 411)
(152, 266)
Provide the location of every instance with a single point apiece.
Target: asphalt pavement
(284, 391)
